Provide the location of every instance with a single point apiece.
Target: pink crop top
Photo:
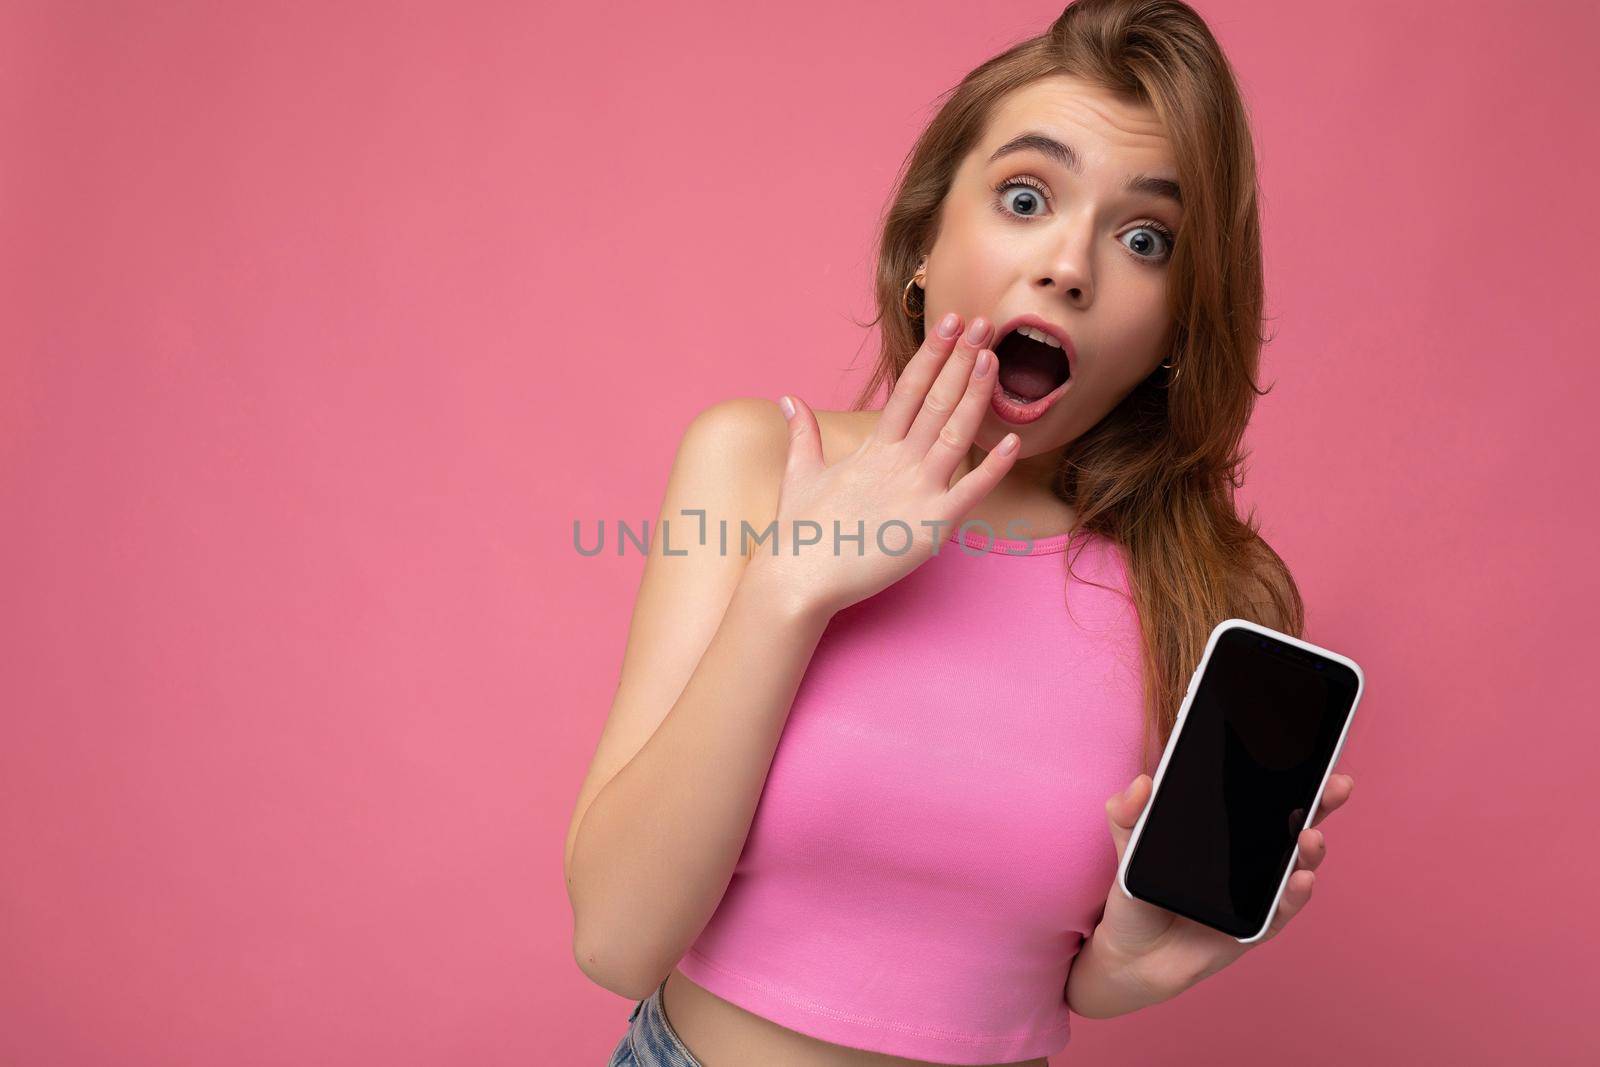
(930, 849)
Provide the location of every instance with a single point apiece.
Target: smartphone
(1242, 774)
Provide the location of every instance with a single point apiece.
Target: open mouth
(1032, 375)
(1030, 369)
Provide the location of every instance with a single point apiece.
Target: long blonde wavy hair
(1157, 474)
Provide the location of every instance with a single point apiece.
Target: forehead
(1108, 132)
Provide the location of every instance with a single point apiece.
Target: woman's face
(1026, 234)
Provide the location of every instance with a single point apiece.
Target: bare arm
(677, 776)
(718, 646)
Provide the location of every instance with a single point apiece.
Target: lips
(1030, 370)
(1017, 413)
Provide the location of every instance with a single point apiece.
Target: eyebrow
(1148, 184)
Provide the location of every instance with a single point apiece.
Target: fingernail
(947, 325)
(788, 407)
(976, 332)
(1009, 445)
(983, 363)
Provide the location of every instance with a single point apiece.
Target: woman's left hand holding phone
(1141, 954)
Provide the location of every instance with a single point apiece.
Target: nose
(1067, 273)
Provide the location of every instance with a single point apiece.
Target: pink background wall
(301, 672)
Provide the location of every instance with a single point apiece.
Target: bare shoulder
(729, 466)
(747, 417)
(753, 434)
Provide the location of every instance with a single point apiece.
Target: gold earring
(1172, 379)
(905, 295)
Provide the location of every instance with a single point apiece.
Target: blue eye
(1035, 189)
(1037, 194)
(1166, 239)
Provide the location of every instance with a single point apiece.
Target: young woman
(850, 805)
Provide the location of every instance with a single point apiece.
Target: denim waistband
(651, 1037)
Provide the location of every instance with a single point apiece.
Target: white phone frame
(1183, 713)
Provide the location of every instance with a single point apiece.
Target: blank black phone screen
(1260, 734)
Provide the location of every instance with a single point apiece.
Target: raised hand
(894, 484)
